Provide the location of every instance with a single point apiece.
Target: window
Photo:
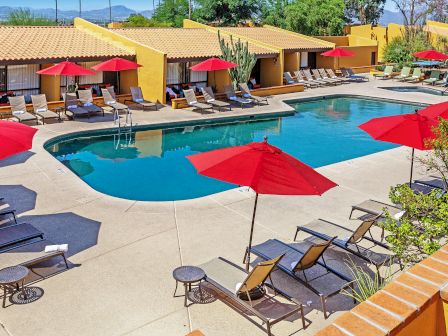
(180, 73)
(22, 79)
(2, 79)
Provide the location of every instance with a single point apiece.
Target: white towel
(111, 102)
(139, 100)
(246, 95)
(232, 98)
(238, 287)
(41, 110)
(88, 104)
(56, 248)
(18, 112)
(72, 106)
(398, 216)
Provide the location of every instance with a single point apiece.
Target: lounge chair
(405, 73)
(331, 74)
(433, 181)
(109, 99)
(295, 262)
(425, 189)
(387, 73)
(192, 101)
(137, 98)
(232, 97)
(309, 77)
(433, 78)
(86, 99)
(71, 104)
(9, 213)
(310, 82)
(40, 107)
(348, 73)
(443, 81)
(324, 76)
(288, 78)
(375, 208)
(18, 110)
(326, 230)
(209, 97)
(317, 75)
(238, 286)
(416, 76)
(13, 235)
(246, 94)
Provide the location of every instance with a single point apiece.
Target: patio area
(123, 252)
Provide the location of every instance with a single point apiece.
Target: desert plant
(365, 284)
(24, 17)
(238, 52)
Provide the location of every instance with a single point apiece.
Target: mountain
(390, 17)
(119, 13)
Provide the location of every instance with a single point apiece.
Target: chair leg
(324, 306)
(351, 213)
(302, 315)
(297, 232)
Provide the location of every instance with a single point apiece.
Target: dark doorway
(110, 77)
(312, 60)
(373, 58)
(256, 71)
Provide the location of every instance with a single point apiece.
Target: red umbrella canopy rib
(116, 64)
(213, 64)
(264, 168)
(431, 54)
(412, 130)
(435, 111)
(338, 52)
(15, 138)
(66, 69)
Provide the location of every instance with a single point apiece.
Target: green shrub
(24, 17)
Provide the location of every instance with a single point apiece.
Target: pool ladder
(117, 119)
(123, 138)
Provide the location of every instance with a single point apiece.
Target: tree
(364, 11)
(172, 12)
(400, 50)
(227, 12)
(24, 17)
(423, 227)
(273, 13)
(414, 12)
(238, 53)
(327, 18)
(138, 20)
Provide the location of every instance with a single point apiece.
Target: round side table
(11, 279)
(188, 275)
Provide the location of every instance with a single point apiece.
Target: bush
(400, 50)
(138, 20)
(24, 17)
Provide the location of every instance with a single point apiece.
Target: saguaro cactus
(238, 52)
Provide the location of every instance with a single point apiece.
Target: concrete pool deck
(123, 252)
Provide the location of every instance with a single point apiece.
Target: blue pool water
(151, 164)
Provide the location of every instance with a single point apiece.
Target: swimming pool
(150, 164)
(421, 89)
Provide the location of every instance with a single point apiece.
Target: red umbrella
(435, 111)
(264, 168)
(116, 64)
(431, 54)
(15, 138)
(213, 64)
(412, 130)
(66, 68)
(338, 52)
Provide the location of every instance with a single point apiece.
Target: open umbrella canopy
(412, 130)
(66, 68)
(213, 64)
(435, 111)
(15, 138)
(264, 168)
(116, 64)
(431, 54)
(338, 52)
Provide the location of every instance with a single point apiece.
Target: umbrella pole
(251, 233)
(412, 166)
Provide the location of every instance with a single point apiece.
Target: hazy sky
(93, 4)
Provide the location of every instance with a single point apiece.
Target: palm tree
(56, 11)
(80, 11)
(110, 11)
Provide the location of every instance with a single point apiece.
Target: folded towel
(18, 112)
(398, 216)
(232, 98)
(56, 248)
(193, 102)
(238, 287)
(72, 106)
(246, 95)
(41, 110)
(138, 100)
(210, 100)
(111, 102)
(88, 104)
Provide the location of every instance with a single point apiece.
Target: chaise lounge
(86, 99)
(231, 96)
(209, 97)
(40, 107)
(19, 111)
(137, 98)
(238, 287)
(246, 94)
(192, 101)
(71, 104)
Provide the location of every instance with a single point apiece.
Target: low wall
(414, 303)
(262, 92)
(5, 111)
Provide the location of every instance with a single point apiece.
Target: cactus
(238, 52)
